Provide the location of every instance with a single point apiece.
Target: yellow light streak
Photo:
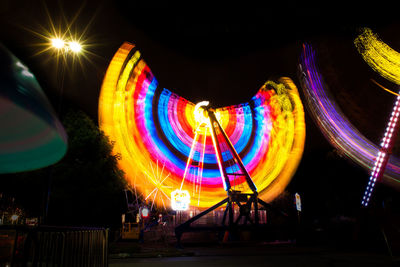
(289, 153)
(378, 55)
(189, 158)
(281, 152)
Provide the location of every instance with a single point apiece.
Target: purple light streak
(340, 132)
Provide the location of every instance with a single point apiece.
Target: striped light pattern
(384, 153)
(31, 136)
(386, 61)
(339, 131)
(150, 124)
(378, 55)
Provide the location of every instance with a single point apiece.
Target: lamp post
(63, 47)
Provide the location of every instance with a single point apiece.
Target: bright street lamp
(63, 47)
(72, 46)
(75, 46)
(57, 43)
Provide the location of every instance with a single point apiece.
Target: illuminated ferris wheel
(253, 147)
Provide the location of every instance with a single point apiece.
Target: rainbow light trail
(148, 123)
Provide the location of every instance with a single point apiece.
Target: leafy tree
(86, 185)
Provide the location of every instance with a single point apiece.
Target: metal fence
(53, 246)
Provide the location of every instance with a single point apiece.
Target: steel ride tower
(232, 169)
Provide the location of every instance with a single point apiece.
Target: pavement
(254, 254)
(206, 249)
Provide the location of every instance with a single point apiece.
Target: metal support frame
(245, 201)
(215, 123)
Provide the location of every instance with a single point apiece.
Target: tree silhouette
(87, 185)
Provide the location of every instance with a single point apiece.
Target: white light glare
(72, 46)
(57, 43)
(75, 46)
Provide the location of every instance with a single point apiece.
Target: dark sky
(220, 53)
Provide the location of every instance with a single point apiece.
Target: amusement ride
(336, 127)
(196, 156)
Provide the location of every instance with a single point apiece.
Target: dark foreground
(254, 254)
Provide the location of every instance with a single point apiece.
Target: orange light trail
(150, 124)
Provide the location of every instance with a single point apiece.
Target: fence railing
(53, 246)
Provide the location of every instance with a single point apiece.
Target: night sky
(220, 53)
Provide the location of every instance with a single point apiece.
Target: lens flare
(57, 43)
(75, 46)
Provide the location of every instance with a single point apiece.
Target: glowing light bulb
(57, 43)
(199, 112)
(75, 46)
(144, 212)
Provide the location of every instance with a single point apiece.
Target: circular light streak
(336, 127)
(199, 113)
(148, 123)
